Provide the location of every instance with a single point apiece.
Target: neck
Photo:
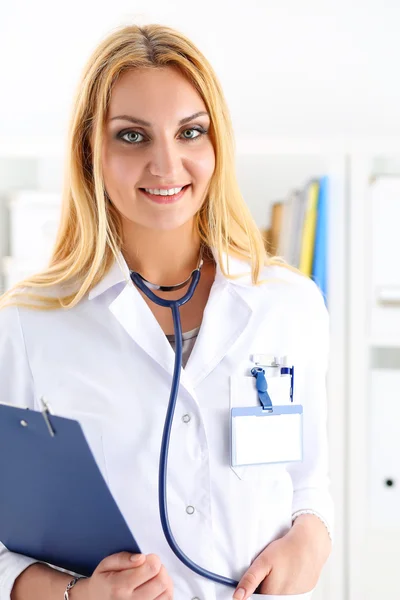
(162, 257)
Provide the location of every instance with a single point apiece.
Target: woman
(150, 187)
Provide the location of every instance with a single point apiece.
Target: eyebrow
(147, 124)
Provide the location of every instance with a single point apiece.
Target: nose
(165, 160)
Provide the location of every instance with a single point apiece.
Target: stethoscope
(146, 287)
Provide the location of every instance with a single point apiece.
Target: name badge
(266, 426)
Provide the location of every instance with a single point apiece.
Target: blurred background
(314, 94)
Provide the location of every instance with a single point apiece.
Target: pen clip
(46, 413)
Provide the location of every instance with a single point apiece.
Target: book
(319, 268)
(308, 231)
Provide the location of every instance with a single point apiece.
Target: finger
(160, 585)
(259, 570)
(120, 562)
(150, 569)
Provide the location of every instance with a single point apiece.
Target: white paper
(267, 439)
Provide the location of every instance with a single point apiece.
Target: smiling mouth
(165, 198)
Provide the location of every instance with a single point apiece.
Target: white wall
(288, 67)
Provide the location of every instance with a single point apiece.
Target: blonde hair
(89, 238)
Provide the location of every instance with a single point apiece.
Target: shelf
(34, 148)
(384, 341)
(318, 145)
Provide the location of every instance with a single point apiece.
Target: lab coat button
(190, 510)
(186, 418)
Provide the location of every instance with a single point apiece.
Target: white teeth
(169, 192)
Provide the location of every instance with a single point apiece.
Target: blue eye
(135, 133)
(199, 132)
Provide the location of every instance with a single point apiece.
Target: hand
(119, 578)
(289, 565)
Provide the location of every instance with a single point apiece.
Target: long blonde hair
(89, 238)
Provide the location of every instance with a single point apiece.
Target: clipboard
(55, 505)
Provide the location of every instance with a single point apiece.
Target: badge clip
(262, 388)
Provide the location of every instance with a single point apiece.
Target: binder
(308, 237)
(292, 223)
(285, 236)
(299, 225)
(55, 505)
(319, 270)
(276, 226)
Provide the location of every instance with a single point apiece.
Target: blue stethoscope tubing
(174, 305)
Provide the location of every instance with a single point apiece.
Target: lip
(163, 187)
(165, 199)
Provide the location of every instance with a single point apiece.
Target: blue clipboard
(55, 505)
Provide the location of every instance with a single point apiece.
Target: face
(158, 158)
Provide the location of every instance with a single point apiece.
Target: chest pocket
(243, 394)
(259, 473)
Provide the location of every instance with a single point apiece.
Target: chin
(168, 224)
(169, 220)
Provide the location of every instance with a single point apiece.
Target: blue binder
(55, 505)
(320, 266)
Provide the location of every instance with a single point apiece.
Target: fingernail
(239, 594)
(135, 557)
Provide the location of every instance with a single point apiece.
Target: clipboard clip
(46, 412)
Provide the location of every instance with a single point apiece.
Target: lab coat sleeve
(311, 483)
(16, 387)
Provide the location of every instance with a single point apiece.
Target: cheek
(202, 166)
(119, 170)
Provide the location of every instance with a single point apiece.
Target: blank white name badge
(266, 424)
(263, 437)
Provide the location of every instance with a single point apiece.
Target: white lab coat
(108, 364)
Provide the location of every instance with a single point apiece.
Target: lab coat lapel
(225, 318)
(134, 315)
(136, 318)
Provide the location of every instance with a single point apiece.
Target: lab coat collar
(119, 272)
(226, 316)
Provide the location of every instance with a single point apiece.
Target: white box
(34, 221)
(383, 260)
